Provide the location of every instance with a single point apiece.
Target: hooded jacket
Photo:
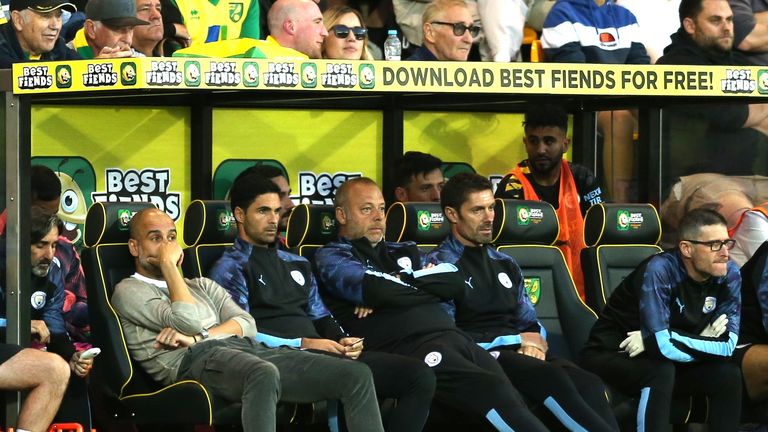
(684, 51)
(580, 31)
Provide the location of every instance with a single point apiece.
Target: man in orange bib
(546, 176)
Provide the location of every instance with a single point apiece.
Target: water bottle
(392, 47)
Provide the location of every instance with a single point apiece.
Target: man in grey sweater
(181, 329)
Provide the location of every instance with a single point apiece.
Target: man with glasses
(671, 325)
(108, 30)
(32, 33)
(448, 32)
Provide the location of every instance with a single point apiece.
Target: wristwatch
(204, 334)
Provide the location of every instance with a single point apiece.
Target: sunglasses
(341, 31)
(460, 28)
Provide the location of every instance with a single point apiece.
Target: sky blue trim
(663, 340)
(332, 406)
(497, 422)
(542, 330)
(500, 341)
(386, 276)
(274, 341)
(438, 269)
(3, 322)
(561, 415)
(645, 393)
(714, 347)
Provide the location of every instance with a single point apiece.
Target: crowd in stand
(451, 330)
(371, 319)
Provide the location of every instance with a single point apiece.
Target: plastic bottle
(392, 47)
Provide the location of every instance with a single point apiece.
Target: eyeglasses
(715, 245)
(460, 28)
(341, 31)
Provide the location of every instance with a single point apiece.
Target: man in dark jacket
(494, 309)
(671, 326)
(734, 131)
(279, 290)
(32, 33)
(382, 291)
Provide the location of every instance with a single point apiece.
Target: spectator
(599, 31)
(66, 272)
(347, 35)
(418, 177)
(448, 32)
(546, 176)
(108, 30)
(48, 330)
(297, 24)
(181, 329)
(734, 131)
(147, 38)
(750, 30)
(32, 33)
(288, 311)
(192, 22)
(279, 178)
(380, 290)
(43, 375)
(495, 311)
(671, 326)
(500, 25)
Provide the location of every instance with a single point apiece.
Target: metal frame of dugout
(388, 87)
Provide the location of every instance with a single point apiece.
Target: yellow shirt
(216, 20)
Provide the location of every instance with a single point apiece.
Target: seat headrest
(621, 224)
(107, 222)
(311, 224)
(209, 222)
(525, 222)
(420, 222)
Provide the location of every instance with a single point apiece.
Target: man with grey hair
(32, 33)
(297, 24)
(448, 31)
(108, 30)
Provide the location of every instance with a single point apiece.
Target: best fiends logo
(308, 75)
(527, 215)
(327, 223)
(128, 74)
(626, 220)
(251, 74)
(762, 81)
(146, 185)
(225, 219)
(192, 74)
(367, 76)
(63, 76)
(35, 77)
(123, 217)
(427, 219)
(100, 75)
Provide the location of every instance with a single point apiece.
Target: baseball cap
(114, 13)
(41, 5)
